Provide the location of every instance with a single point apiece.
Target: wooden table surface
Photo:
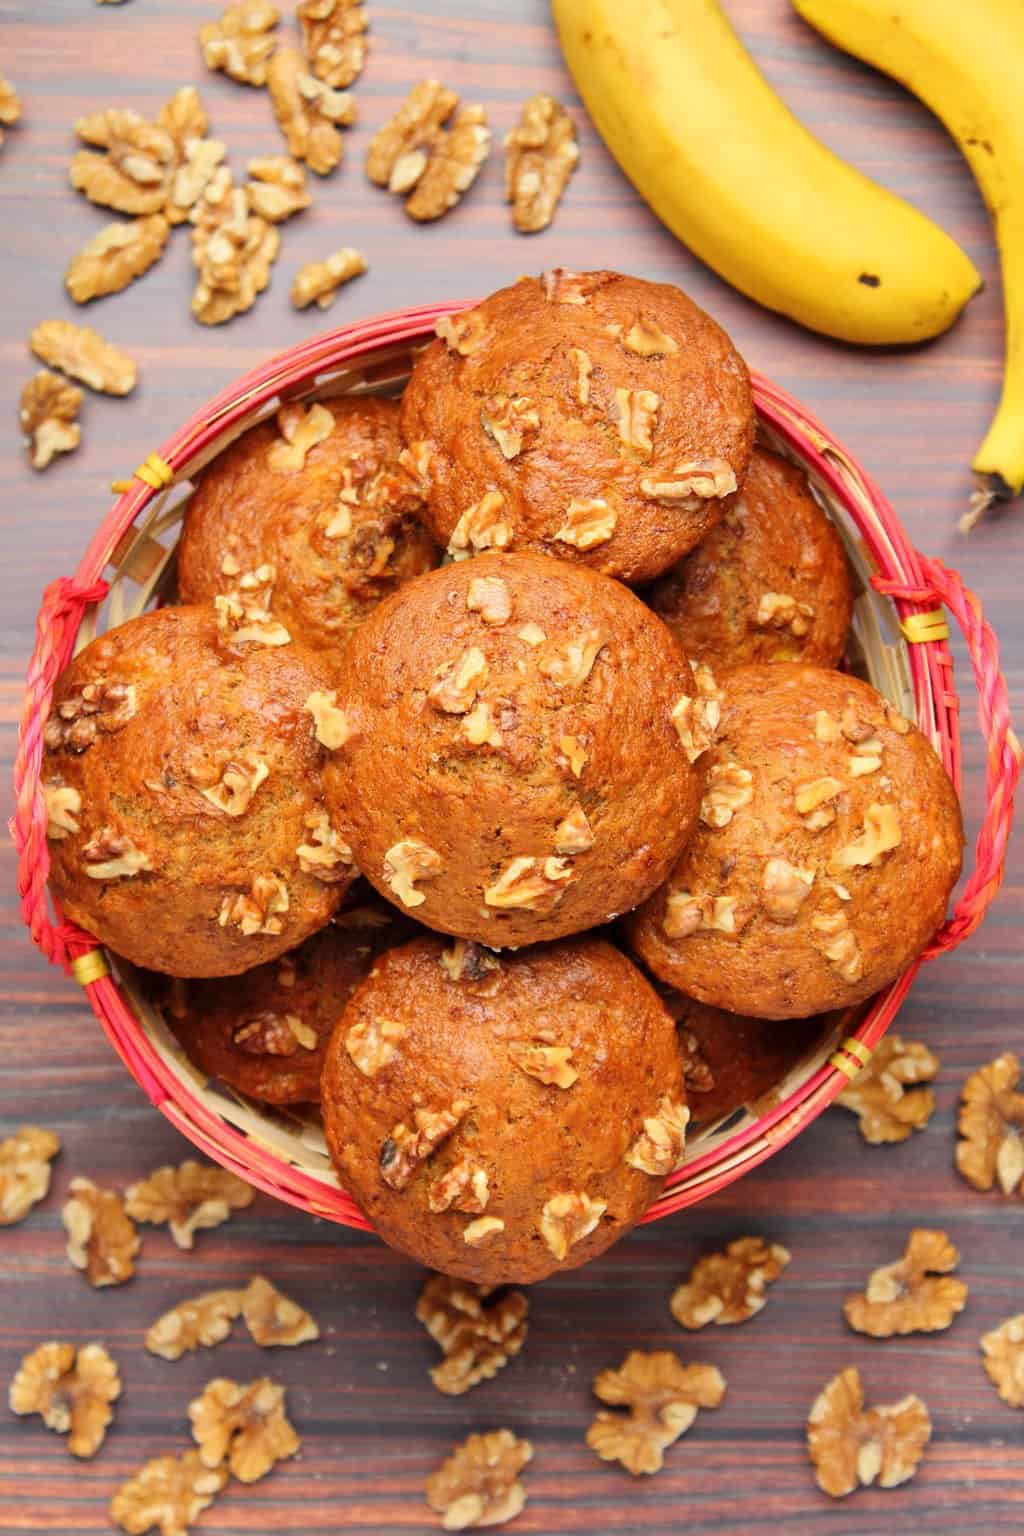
(371, 1422)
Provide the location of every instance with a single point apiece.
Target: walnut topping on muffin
(324, 855)
(371, 1043)
(301, 429)
(549, 1064)
(407, 862)
(404, 1150)
(332, 726)
(531, 883)
(729, 790)
(490, 598)
(658, 1150)
(690, 484)
(95, 707)
(574, 834)
(511, 420)
(647, 339)
(880, 836)
(568, 1218)
(458, 682)
(588, 522)
(463, 1188)
(259, 909)
(481, 526)
(63, 804)
(584, 369)
(784, 888)
(235, 784)
(112, 855)
(571, 664)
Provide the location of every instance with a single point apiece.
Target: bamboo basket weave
(900, 634)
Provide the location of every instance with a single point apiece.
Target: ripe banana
(704, 138)
(963, 59)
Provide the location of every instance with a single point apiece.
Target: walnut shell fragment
(191, 1198)
(241, 42)
(478, 1332)
(917, 1294)
(274, 1319)
(541, 154)
(169, 1492)
(71, 1390)
(879, 1095)
(116, 255)
(319, 281)
(852, 1446)
(662, 1396)
(133, 172)
(200, 1322)
(991, 1125)
(25, 1160)
(102, 1239)
(479, 1483)
(729, 1287)
(47, 413)
(1003, 1350)
(309, 112)
(417, 158)
(83, 354)
(246, 1425)
(334, 39)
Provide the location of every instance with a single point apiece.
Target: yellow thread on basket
(925, 626)
(90, 967)
(155, 471)
(840, 1059)
(120, 486)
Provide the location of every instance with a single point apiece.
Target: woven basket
(899, 642)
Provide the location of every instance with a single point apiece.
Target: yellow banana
(963, 58)
(701, 134)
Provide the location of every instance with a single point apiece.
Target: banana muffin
(769, 583)
(829, 843)
(499, 1118)
(593, 416)
(181, 772)
(314, 509)
(266, 1033)
(516, 749)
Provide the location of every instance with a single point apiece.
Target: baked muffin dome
(769, 583)
(589, 415)
(829, 843)
(266, 1033)
(515, 756)
(315, 509)
(499, 1118)
(187, 827)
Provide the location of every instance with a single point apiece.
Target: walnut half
(567, 1219)
(245, 1425)
(662, 1396)
(479, 1483)
(25, 1160)
(917, 1294)
(541, 154)
(48, 414)
(478, 1335)
(402, 1152)
(729, 1287)
(991, 1126)
(879, 1095)
(852, 1446)
(102, 1240)
(71, 1390)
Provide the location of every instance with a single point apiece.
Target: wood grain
(372, 1424)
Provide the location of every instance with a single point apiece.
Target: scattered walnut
(689, 484)
(71, 1390)
(102, 1240)
(636, 412)
(584, 369)
(457, 683)
(840, 947)
(880, 836)
(241, 42)
(371, 1044)
(572, 663)
(541, 155)
(334, 38)
(25, 1160)
(729, 1287)
(477, 1338)
(115, 255)
(917, 1294)
(465, 1187)
(407, 862)
(479, 727)
(659, 1148)
(319, 281)
(134, 173)
(567, 1219)
(200, 1322)
(510, 420)
(466, 961)
(273, 1319)
(236, 784)
(777, 610)
(478, 1231)
(233, 250)
(490, 597)
(326, 856)
(199, 161)
(530, 884)
(10, 106)
(271, 1034)
(399, 152)
(561, 286)
(189, 1199)
(647, 339)
(1003, 1349)
(310, 113)
(478, 1484)
(991, 1124)
(332, 727)
(246, 1425)
(878, 1094)
(549, 1064)
(404, 1150)
(587, 522)
(113, 856)
(48, 411)
(662, 1396)
(169, 1492)
(82, 354)
(696, 722)
(278, 190)
(257, 910)
(481, 526)
(813, 802)
(574, 833)
(453, 166)
(851, 1446)
(571, 748)
(686, 913)
(63, 804)
(784, 888)
(729, 789)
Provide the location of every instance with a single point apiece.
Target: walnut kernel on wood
(662, 1396)
(71, 1390)
(233, 250)
(917, 1294)
(879, 1095)
(134, 174)
(452, 167)
(991, 1126)
(115, 255)
(25, 1160)
(277, 189)
(190, 1198)
(319, 281)
(477, 1334)
(309, 112)
(541, 155)
(200, 1322)
(247, 1425)
(852, 1446)
(274, 1319)
(399, 151)
(479, 1483)
(83, 354)
(241, 42)
(731, 1286)
(48, 415)
(102, 1239)
(169, 1492)
(333, 38)
(1003, 1349)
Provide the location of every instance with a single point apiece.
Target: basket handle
(1004, 756)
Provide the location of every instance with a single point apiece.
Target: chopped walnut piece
(778, 610)
(878, 1094)
(188, 1199)
(784, 888)
(10, 106)
(25, 1160)
(584, 370)
(587, 522)
(549, 1064)
(697, 1075)
(278, 189)
(572, 663)
(880, 836)
(246, 1425)
(309, 112)
(477, 1334)
(479, 727)
(852, 1446)
(232, 249)
(115, 255)
(274, 1319)
(98, 706)
(200, 1322)
(529, 884)
(458, 682)
(71, 1390)
(82, 353)
(332, 727)
(481, 526)
(48, 415)
(571, 748)
(826, 728)
(271, 1034)
(478, 1231)
(813, 802)
(319, 281)
(236, 784)
(113, 856)
(463, 333)
(541, 154)
(301, 428)
(466, 961)
(662, 1396)
(170, 1492)
(686, 913)
(63, 804)
(404, 1150)
(334, 38)
(405, 864)
(257, 910)
(636, 411)
(241, 42)
(840, 945)
(134, 173)
(917, 1294)
(567, 1219)
(564, 287)
(696, 722)
(465, 1187)
(490, 597)
(371, 1044)
(1003, 1349)
(647, 339)
(102, 1239)
(510, 420)
(326, 856)
(478, 1485)
(729, 789)
(731, 1286)
(399, 151)
(574, 833)
(659, 1148)
(991, 1125)
(690, 484)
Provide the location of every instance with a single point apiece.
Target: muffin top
(499, 1118)
(315, 509)
(516, 744)
(589, 415)
(830, 840)
(187, 827)
(769, 583)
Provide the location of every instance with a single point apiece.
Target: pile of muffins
(544, 654)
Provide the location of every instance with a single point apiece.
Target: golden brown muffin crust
(603, 417)
(445, 1028)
